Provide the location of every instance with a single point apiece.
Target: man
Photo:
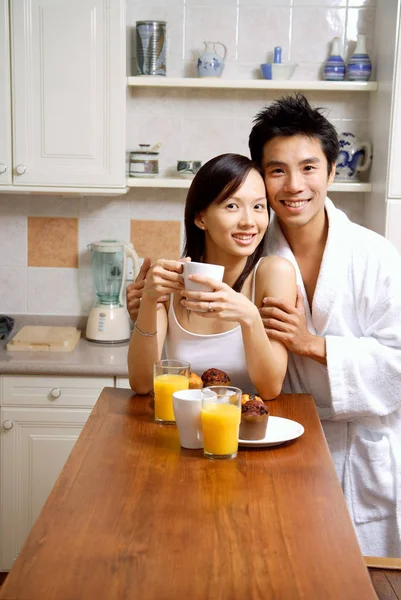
(344, 334)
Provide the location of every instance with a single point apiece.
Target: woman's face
(237, 225)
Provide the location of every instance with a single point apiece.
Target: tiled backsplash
(44, 261)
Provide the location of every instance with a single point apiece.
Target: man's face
(295, 172)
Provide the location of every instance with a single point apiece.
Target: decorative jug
(354, 157)
(210, 63)
(359, 65)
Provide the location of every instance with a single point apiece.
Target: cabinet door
(68, 83)
(5, 94)
(35, 444)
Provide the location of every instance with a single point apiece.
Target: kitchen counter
(134, 515)
(87, 359)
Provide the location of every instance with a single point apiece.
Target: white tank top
(223, 351)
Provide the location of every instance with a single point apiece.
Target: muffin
(195, 382)
(215, 377)
(254, 417)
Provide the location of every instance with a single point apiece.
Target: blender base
(108, 325)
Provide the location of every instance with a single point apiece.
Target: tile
(103, 207)
(360, 20)
(62, 292)
(14, 204)
(211, 2)
(93, 230)
(267, 28)
(217, 25)
(86, 291)
(13, 241)
(160, 204)
(325, 24)
(168, 101)
(362, 3)
(208, 137)
(13, 290)
(52, 242)
(157, 239)
(320, 3)
(263, 3)
(52, 206)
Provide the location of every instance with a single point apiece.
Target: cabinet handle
(8, 425)
(20, 169)
(3, 168)
(55, 393)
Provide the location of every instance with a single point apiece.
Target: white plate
(278, 431)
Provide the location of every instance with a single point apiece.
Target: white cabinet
(5, 97)
(35, 444)
(123, 382)
(68, 92)
(41, 419)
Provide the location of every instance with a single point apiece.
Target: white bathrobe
(357, 308)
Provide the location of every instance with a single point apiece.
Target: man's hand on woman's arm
(135, 291)
(287, 324)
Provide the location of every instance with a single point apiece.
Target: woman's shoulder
(275, 277)
(275, 264)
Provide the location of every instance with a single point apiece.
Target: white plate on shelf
(279, 431)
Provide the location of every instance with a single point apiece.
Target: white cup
(192, 268)
(187, 411)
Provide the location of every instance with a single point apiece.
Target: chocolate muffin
(254, 417)
(215, 377)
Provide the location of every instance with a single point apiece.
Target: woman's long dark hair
(216, 181)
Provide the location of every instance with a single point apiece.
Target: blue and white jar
(353, 158)
(359, 65)
(334, 67)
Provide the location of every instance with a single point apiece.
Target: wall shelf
(170, 182)
(250, 84)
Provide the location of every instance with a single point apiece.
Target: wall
(44, 262)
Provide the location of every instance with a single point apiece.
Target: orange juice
(164, 387)
(220, 424)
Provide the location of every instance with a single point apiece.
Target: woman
(226, 218)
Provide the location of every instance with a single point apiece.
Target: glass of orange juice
(221, 416)
(169, 376)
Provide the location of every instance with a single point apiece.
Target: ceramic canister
(143, 162)
(151, 47)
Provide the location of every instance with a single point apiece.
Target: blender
(108, 320)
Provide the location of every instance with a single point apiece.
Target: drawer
(35, 390)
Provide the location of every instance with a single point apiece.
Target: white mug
(192, 268)
(187, 411)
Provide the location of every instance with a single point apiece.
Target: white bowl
(283, 71)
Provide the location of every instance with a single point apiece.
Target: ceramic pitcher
(210, 63)
(354, 157)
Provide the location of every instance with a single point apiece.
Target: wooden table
(133, 515)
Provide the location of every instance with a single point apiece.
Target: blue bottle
(334, 67)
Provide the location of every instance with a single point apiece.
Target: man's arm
(286, 323)
(364, 372)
